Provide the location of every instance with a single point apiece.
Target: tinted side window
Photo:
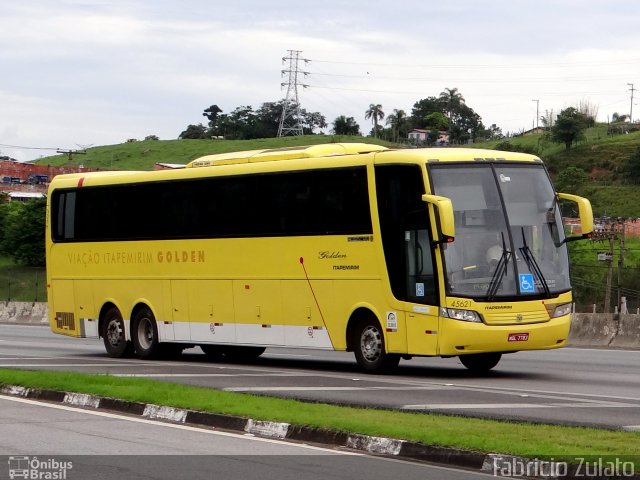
(312, 202)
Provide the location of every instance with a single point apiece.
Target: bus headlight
(561, 310)
(459, 314)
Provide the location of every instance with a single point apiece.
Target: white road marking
(631, 428)
(321, 389)
(45, 365)
(187, 375)
(497, 406)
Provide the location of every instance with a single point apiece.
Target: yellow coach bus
(386, 253)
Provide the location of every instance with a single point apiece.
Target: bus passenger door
(404, 227)
(422, 314)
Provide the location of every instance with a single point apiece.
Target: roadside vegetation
(486, 436)
(21, 283)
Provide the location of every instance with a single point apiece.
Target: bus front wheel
(145, 334)
(480, 362)
(113, 335)
(369, 348)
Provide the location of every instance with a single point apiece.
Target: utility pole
(607, 298)
(608, 233)
(291, 120)
(537, 111)
(631, 109)
(71, 152)
(621, 263)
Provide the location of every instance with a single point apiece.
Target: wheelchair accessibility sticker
(527, 284)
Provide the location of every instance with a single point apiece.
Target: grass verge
(540, 441)
(19, 283)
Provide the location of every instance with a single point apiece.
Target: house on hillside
(168, 166)
(420, 136)
(530, 132)
(24, 196)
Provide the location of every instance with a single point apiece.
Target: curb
(491, 463)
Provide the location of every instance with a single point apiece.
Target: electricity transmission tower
(291, 120)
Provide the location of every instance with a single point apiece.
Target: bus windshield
(509, 236)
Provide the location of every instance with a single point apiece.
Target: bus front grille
(513, 318)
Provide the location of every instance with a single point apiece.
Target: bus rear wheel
(145, 334)
(480, 362)
(369, 348)
(113, 335)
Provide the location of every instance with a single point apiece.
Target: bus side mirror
(444, 209)
(585, 213)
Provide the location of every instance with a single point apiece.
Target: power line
(482, 65)
(28, 148)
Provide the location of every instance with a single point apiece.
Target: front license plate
(518, 337)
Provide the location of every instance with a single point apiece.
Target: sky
(76, 73)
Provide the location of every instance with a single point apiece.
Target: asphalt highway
(587, 387)
(44, 440)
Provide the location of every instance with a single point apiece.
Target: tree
(547, 119)
(245, 123)
(452, 99)
(462, 122)
(311, 121)
(237, 125)
(633, 166)
(571, 179)
(569, 127)
(398, 121)
(616, 117)
(589, 110)
(374, 113)
(24, 232)
(345, 126)
(194, 131)
(423, 109)
(212, 114)
(436, 121)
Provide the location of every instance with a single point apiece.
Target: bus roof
(435, 155)
(287, 153)
(382, 154)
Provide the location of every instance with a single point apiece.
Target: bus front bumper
(460, 337)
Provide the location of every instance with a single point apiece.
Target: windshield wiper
(500, 271)
(527, 254)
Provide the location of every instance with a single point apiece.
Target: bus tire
(144, 332)
(480, 362)
(369, 348)
(113, 335)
